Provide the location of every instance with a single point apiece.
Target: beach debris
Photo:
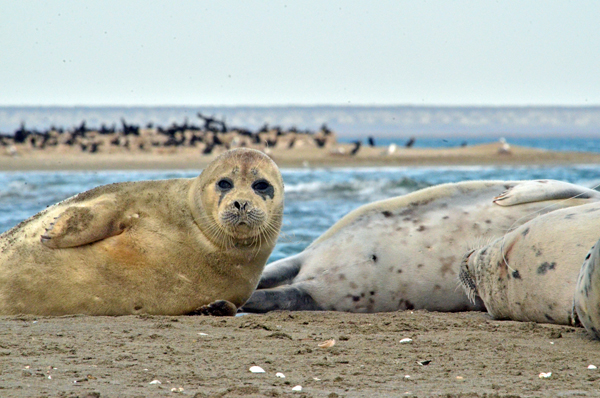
(280, 375)
(257, 369)
(155, 382)
(424, 363)
(297, 388)
(459, 378)
(545, 375)
(392, 149)
(407, 376)
(202, 334)
(405, 340)
(504, 147)
(177, 389)
(327, 343)
(316, 379)
(592, 367)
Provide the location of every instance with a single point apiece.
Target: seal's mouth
(242, 223)
(466, 278)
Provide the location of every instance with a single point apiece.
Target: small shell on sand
(257, 369)
(327, 344)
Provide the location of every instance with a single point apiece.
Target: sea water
(315, 198)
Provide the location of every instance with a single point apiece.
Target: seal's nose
(240, 205)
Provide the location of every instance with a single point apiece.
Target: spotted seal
(586, 302)
(155, 247)
(405, 252)
(530, 274)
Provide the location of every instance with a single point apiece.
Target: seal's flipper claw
(282, 298)
(81, 225)
(217, 308)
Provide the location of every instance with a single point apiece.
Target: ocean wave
(361, 187)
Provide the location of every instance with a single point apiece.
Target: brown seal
(155, 247)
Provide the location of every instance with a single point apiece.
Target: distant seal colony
(153, 247)
(405, 252)
(531, 273)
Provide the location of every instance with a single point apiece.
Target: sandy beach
(335, 156)
(450, 355)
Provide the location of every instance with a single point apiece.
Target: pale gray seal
(586, 303)
(405, 252)
(530, 274)
(153, 247)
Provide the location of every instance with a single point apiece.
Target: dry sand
(190, 158)
(470, 355)
(451, 355)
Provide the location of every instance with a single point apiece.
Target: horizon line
(365, 105)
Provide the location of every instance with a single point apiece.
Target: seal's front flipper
(281, 272)
(542, 190)
(288, 298)
(81, 225)
(217, 308)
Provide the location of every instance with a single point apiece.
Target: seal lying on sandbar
(531, 273)
(405, 252)
(154, 247)
(586, 303)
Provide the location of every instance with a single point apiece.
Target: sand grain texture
(470, 356)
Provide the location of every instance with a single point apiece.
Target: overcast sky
(102, 52)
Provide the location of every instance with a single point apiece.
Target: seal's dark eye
(225, 184)
(261, 186)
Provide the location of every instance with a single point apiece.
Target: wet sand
(190, 158)
(451, 355)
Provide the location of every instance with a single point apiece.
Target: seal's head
(241, 197)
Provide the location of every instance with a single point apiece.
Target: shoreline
(190, 159)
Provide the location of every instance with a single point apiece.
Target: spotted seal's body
(586, 303)
(405, 252)
(530, 274)
(155, 247)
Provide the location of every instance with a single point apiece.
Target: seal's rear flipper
(282, 298)
(281, 272)
(542, 190)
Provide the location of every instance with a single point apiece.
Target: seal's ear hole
(225, 184)
(261, 185)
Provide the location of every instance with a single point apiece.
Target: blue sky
(299, 52)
